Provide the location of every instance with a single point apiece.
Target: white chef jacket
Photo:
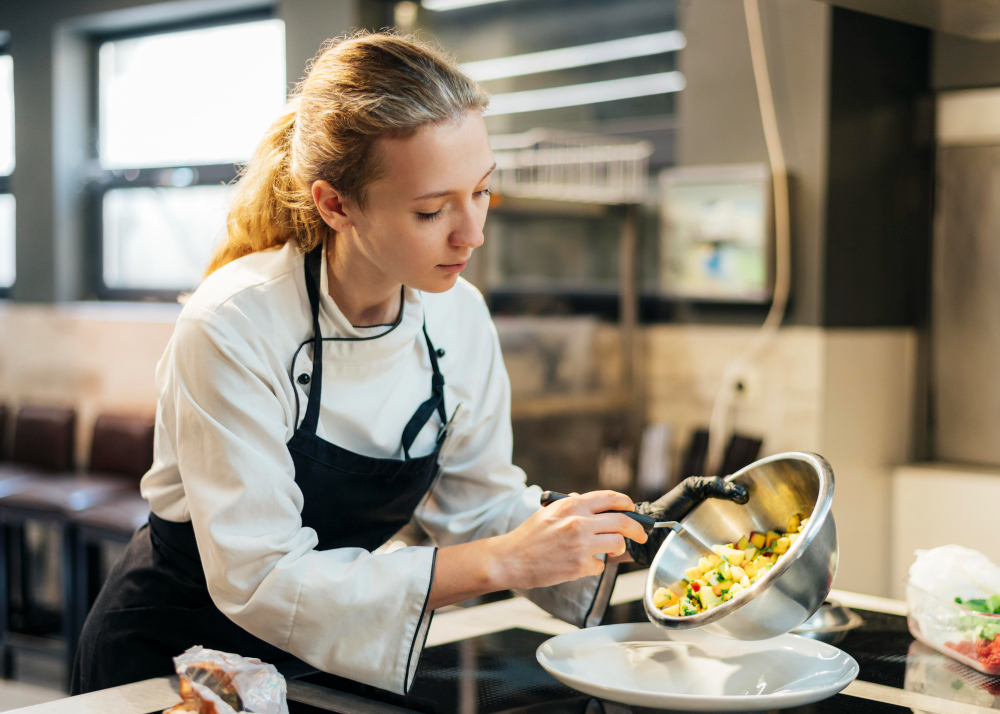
(227, 407)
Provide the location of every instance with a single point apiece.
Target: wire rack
(567, 166)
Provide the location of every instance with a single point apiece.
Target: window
(610, 70)
(6, 169)
(176, 112)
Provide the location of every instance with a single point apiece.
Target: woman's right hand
(559, 542)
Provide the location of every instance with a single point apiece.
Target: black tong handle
(647, 522)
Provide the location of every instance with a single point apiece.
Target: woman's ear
(331, 205)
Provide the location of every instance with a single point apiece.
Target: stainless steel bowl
(780, 486)
(830, 623)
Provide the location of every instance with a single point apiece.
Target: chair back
(122, 444)
(44, 437)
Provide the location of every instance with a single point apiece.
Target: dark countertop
(482, 661)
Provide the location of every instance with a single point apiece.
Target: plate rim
(853, 669)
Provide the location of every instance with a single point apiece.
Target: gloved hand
(677, 503)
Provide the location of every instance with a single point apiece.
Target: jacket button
(304, 378)
(440, 353)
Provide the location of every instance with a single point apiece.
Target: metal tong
(648, 523)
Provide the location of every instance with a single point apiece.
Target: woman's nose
(469, 232)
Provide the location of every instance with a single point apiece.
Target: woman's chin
(437, 284)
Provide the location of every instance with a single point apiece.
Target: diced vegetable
(733, 568)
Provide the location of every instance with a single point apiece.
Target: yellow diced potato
(744, 581)
(692, 573)
(714, 560)
(704, 565)
(793, 524)
(781, 545)
(664, 598)
(735, 557)
(743, 543)
(673, 610)
(737, 573)
(792, 537)
(708, 598)
(750, 569)
(736, 590)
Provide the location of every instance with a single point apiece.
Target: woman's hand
(556, 544)
(559, 542)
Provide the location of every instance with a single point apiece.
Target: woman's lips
(454, 267)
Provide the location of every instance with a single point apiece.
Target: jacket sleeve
(346, 611)
(480, 493)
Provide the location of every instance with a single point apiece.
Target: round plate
(644, 665)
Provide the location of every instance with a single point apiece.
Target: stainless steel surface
(687, 536)
(977, 19)
(780, 486)
(965, 340)
(830, 623)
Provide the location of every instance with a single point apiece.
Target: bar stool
(122, 445)
(51, 498)
(43, 442)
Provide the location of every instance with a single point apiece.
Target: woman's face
(425, 217)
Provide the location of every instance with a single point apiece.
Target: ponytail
(267, 209)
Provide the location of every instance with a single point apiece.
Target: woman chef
(330, 366)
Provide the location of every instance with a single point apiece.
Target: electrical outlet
(747, 387)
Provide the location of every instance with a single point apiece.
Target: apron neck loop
(313, 265)
(426, 410)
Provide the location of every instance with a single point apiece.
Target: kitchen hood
(976, 19)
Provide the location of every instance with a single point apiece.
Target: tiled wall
(846, 394)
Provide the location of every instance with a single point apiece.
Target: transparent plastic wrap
(953, 605)
(964, 634)
(213, 682)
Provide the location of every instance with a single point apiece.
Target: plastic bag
(214, 682)
(953, 571)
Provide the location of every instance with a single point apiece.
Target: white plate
(644, 665)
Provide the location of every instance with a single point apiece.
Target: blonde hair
(358, 89)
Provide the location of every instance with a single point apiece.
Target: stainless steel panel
(966, 306)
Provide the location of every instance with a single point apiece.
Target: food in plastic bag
(214, 682)
(953, 571)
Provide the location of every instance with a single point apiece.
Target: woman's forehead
(438, 157)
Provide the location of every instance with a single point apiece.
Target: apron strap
(313, 263)
(426, 410)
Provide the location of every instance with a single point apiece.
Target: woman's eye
(428, 216)
(484, 192)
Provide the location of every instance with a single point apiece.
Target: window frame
(99, 180)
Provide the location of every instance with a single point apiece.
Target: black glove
(675, 505)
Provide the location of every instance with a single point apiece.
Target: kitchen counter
(482, 660)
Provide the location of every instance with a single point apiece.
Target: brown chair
(122, 445)
(42, 444)
(49, 491)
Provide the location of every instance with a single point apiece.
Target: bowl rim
(824, 499)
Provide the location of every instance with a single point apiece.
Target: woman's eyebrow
(438, 194)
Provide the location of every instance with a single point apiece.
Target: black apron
(155, 603)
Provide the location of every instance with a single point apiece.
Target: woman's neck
(363, 293)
